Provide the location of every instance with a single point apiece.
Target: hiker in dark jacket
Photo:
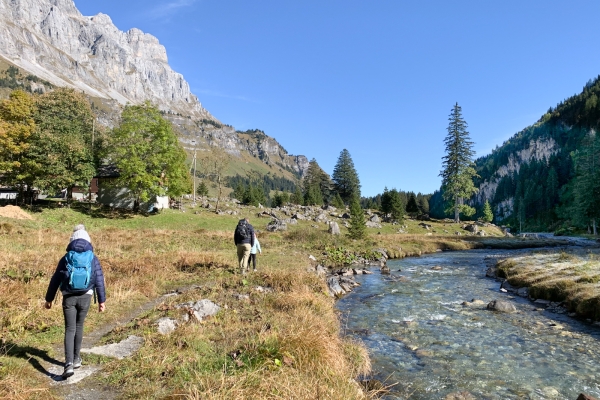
(76, 303)
(244, 240)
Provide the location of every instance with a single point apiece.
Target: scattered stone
(370, 224)
(334, 287)
(436, 268)
(312, 258)
(320, 270)
(346, 216)
(276, 225)
(523, 292)
(460, 396)
(375, 219)
(474, 303)
(385, 270)
(501, 306)
(262, 289)
(200, 309)
(242, 297)
(166, 325)
(334, 228)
(120, 350)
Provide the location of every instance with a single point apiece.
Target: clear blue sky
(375, 77)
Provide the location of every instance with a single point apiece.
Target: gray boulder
(334, 287)
(276, 225)
(334, 228)
(370, 224)
(375, 218)
(501, 306)
(166, 325)
(200, 309)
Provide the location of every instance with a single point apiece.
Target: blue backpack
(79, 269)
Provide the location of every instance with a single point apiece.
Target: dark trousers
(253, 260)
(75, 309)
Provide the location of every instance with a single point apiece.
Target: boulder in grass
(276, 225)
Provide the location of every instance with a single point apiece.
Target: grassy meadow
(279, 344)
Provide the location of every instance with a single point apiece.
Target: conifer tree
(423, 203)
(345, 177)
(358, 228)
(392, 204)
(411, 206)
(337, 201)
(586, 185)
(202, 189)
(296, 197)
(458, 167)
(488, 215)
(317, 185)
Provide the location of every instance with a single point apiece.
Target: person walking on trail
(79, 276)
(244, 240)
(255, 248)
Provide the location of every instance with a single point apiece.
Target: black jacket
(238, 239)
(60, 275)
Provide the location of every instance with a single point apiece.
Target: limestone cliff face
(52, 40)
(538, 149)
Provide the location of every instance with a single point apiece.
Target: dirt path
(87, 383)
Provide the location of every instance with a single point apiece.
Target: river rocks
(501, 306)
(474, 303)
(583, 396)
(333, 284)
(436, 268)
(491, 272)
(320, 270)
(385, 270)
(460, 396)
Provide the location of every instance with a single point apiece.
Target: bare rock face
(51, 39)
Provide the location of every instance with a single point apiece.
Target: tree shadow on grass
(33, 356)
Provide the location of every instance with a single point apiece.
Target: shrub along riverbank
(277, 334)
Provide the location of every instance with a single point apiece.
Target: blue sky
(378, 78)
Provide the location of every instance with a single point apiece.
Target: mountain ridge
(52, 40)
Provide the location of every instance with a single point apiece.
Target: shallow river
(423, 340)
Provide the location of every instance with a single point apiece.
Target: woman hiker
(79, 276)
(253, 250)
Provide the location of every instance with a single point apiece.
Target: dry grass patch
(572, 277)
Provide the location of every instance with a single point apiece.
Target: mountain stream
(425, 343)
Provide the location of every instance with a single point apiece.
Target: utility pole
(194, 176)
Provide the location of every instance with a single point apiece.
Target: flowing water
(422, 339)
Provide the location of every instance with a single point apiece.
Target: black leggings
(253, 259)
(75, 309)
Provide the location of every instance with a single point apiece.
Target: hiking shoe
(77, 362)
(68, 371)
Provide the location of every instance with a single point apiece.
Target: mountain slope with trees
(545, 177)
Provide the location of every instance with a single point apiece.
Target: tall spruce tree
(317, 185)
(358, 228)
(345, 177)
(458, 167)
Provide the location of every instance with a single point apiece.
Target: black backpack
(242, 231)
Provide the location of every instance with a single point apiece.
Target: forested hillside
(545, 177)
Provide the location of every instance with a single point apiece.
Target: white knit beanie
(79, 232)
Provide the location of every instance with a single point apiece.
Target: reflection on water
(421, 337)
